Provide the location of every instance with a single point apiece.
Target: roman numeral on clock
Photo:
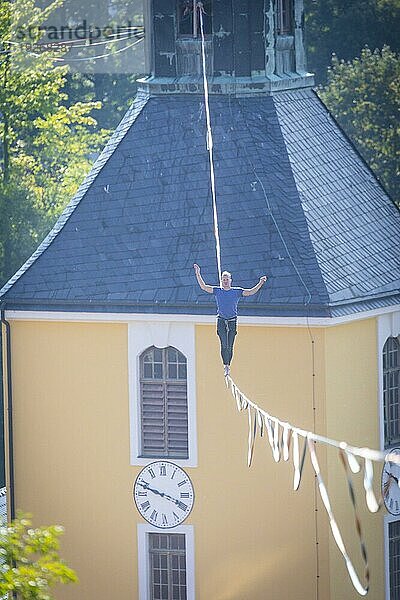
(154, 515)
(145, 506)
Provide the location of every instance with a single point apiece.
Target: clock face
(390, 485)
(163, 494)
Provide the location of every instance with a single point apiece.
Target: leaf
(32, 565)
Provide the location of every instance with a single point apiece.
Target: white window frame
(387, 519)
(143, 529)
(388, 326)
(143, 335)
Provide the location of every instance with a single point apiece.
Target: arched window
(391, 391)
(284, 17)
(163, 403)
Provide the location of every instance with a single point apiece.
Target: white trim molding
(143, 529)
(88, 317)
(143, 335)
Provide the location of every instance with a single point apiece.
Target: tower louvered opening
(163, 403)
(391, 391)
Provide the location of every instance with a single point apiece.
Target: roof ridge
(121, 130)
(347, 286)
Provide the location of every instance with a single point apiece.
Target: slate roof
(295, 201)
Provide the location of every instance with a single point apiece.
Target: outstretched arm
(254, 290)
(200, 280)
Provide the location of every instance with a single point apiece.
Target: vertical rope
(210, 143)
(314, 416)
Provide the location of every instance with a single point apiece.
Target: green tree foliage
(46, 143)
(111, 79)
(344, 27)
(30, 564)
(364, 97)
(115, 91)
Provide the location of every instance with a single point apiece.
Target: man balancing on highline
(227, 298)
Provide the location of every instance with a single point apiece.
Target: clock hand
(168, 497)
(147, 487)
(162, 494)
(392, 476)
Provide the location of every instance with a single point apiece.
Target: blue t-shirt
(227, 301)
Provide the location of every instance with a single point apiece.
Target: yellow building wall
(260, 534)
(352, 415)
(255, 539)
(71, 448)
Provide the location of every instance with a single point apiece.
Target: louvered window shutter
(391, 391)
(164, 408)
(177, 419)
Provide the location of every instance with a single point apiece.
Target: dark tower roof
(295, 201)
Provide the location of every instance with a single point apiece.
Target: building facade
(119, 424)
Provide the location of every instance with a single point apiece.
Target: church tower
(119, 424)
(252, 46)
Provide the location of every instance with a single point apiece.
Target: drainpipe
(8, 406)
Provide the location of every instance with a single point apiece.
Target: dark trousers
(226, 330)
